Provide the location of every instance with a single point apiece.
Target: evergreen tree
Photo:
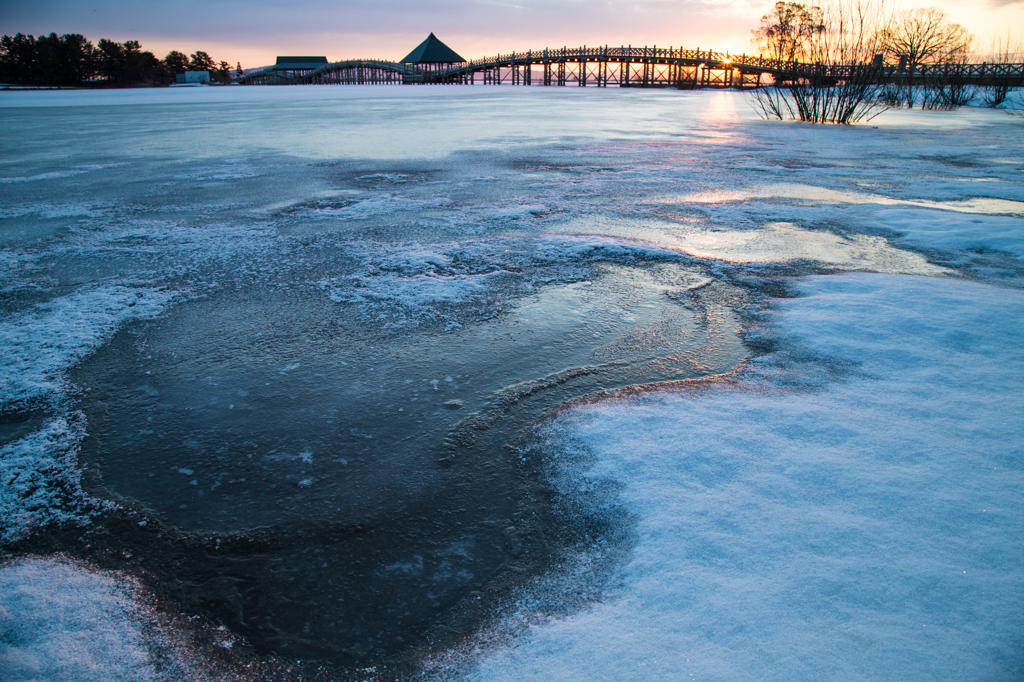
(111, 60)
(18, 59)
(71, 60)
(176, 62)
(223, 72)
(201, 62)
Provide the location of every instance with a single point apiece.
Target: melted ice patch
(982, 205)
(519, 212)
(775, 242)
(55, 211)
(417, 276)
(420, 290)
(370, 406)
(221, 173)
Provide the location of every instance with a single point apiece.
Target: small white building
(194, 77)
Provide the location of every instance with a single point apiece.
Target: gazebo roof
(298, 63)
(432, 51)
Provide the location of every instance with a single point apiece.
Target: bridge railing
(979, 73)
(367, 63)
(622, 52)
(552, 55)
(698, 56)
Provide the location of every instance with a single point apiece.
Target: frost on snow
(41, 343)
(62, 621)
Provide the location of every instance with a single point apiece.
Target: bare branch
(924, 36)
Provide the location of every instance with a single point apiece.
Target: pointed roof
(432, 51)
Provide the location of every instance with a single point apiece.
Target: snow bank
(955, 232)
(60, 621)
(867, 530)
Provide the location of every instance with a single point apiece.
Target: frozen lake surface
(510, 383)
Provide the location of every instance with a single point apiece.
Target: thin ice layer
(867, 530)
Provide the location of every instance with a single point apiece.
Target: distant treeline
(72, 60)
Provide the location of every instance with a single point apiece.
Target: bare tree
(837, 84)
(1006, 49)
(946, 86)
(785, 30)
(1003, 52)
(924, 36)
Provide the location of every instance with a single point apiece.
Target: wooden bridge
(644, 67)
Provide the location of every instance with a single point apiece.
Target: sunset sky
(253, 32)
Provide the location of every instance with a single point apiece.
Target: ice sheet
(765, 526)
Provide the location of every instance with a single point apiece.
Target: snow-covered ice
(43, 342)
(257, 303)
(61, 620)
(867, 528)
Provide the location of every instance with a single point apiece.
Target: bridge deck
(632, 67)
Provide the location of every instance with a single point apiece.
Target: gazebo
(433, 55)
(291, 67)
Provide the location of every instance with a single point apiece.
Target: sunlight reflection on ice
(823, 195)
(785, 242)
(778, 242)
